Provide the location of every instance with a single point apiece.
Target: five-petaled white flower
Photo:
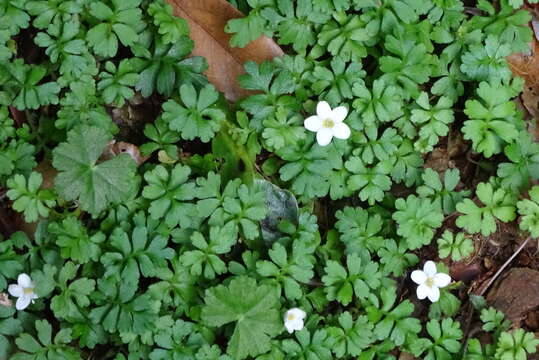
(24, 291)
(328, 123)
(293, 319)
(430, 281)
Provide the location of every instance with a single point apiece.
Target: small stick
(502, 268)
(469, 309)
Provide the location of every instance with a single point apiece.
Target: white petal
(339, 114)
(429, 268)
(313, 123)
(341, 131)
(434, 294)
(323, 110)
(297, 312)
(15, 290)
(442, 280)
(296, 324)
(323, 136)
(23, 302)
(289, 327)
(418, 276)
(25, 281)
(293, 325)
(422, 291)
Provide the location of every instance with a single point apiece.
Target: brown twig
(502, 268)
(470, 310)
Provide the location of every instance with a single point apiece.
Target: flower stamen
(328, 123)
(28, 290)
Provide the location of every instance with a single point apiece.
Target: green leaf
(29, 198)
(74, 241)
(205, 259)
(516, 345)
(334, 83)
(10, 265)
(275, 84)
(48, 12)
(295, 25)
(486, 62)
(494, 119)
(433, 120)
(60, 41)
(283, 129)
(169, 193)
(116, 82)
(371, 181)
(120, 23)
(442, 192)
(82, 106)
(197, 116)
(408, 65)
(170, 27)
(528, 209)
(23, 88)
(498, 204)
(124, 313)
(381, 104)
(95, 185)
(134, 255)
(359, 229)
(352, 336)
(167, 67)
(417, 219)
(252, 307)
(309, 346)
(289, 268)
(44, 347)
(250, 27)
(73, 300)
(524, 165)
(360, 277)
(457, 247)
(344, 36)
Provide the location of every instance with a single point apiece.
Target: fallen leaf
(18, 116)
(131, 119)
(118, 147)
(516, 293)
(4, 300)
(526, 66)
(281, 205)
(207, 20)
(48, 172)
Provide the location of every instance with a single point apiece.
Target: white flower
(328, 123)
(430, 281)
(293, 319)
(24, 291)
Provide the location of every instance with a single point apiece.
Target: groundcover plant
(356, 202)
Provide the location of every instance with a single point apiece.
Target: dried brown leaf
(526, 66)
(207, 20)
(115, 148)
(4, 300)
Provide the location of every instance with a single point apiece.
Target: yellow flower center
(430, 282)
(290, 317)
(328, 123)
(28, 290)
